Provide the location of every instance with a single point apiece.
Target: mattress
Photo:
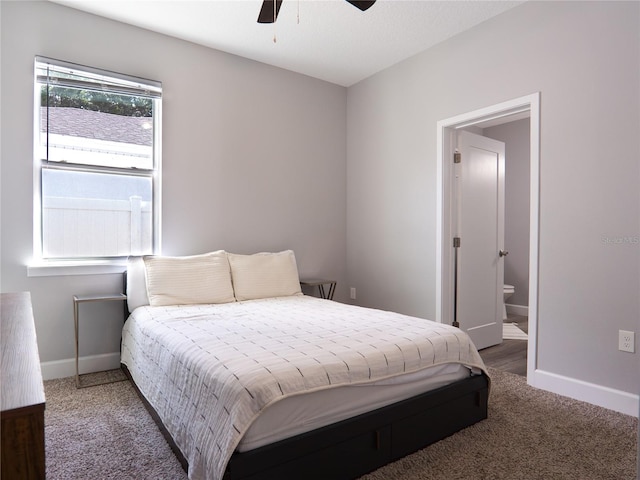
(213, 371)
(304, 413)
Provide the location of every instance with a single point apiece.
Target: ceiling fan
(269, 12)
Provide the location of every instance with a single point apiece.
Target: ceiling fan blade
(266, 12)
(361, 4)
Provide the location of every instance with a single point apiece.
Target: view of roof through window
(74, 130)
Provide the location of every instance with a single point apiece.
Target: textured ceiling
(332, 40)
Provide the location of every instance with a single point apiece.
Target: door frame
(446, 134)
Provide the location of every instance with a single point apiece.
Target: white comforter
(209, 370)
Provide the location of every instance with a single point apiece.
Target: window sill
(59, 268)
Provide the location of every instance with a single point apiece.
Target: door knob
(503, 253)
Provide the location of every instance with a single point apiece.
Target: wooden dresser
(21, 392)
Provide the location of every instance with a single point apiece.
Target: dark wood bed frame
(358, 445)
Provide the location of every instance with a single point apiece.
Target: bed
(248, 378)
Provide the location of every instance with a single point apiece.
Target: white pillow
(136, 284)
(264, 275)
(189, 280)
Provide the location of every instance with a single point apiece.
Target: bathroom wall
(516, 137)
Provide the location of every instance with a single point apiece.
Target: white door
(479, 223)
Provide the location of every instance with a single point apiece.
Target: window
(97, 157)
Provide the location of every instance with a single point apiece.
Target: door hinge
(456, 242)
(457, 157)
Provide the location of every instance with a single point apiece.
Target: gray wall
(253, 160)
(584, 58)
(515, 135)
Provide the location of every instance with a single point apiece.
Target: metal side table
(77, 300)
(320, 283)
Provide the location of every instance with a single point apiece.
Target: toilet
(507, 291)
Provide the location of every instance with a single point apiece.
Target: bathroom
(516, 136)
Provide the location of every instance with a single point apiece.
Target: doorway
(446, 143)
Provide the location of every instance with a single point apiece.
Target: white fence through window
(94, 227)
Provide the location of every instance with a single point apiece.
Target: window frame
(41, 265)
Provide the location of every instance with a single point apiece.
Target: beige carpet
(104, 432)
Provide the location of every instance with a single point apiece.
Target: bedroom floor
(510, 355)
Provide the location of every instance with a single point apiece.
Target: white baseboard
(521, 310)
(67, 367)
(617, 400)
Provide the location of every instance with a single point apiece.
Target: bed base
(353, 447)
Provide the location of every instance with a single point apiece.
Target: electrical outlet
(626, 341)
(353, 293)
